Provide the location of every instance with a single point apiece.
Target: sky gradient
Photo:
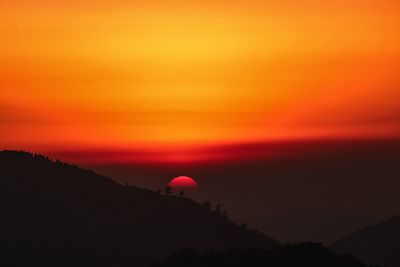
(175, 77)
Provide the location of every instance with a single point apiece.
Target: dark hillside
(298, 255)
(56, 214)
(376, 244)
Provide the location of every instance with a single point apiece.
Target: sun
(183, 183)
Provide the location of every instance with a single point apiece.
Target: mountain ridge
(376, 244)
(53, 210)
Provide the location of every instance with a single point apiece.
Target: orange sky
(164, 74)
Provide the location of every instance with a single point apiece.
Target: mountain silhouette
(298, 255)
(323, 191)
(376, 244)
(57, 214)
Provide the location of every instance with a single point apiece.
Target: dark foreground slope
(301, 255)
(55, 214)
(377, 244)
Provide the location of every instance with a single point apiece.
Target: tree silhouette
(218, 210)
(243, 226)
(167, 190)
(225, 214)
(207, 205)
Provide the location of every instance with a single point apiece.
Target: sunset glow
(177, 75)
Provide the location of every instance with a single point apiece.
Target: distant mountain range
(56, 214)
(376, 244)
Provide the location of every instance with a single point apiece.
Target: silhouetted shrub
(167, 190)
